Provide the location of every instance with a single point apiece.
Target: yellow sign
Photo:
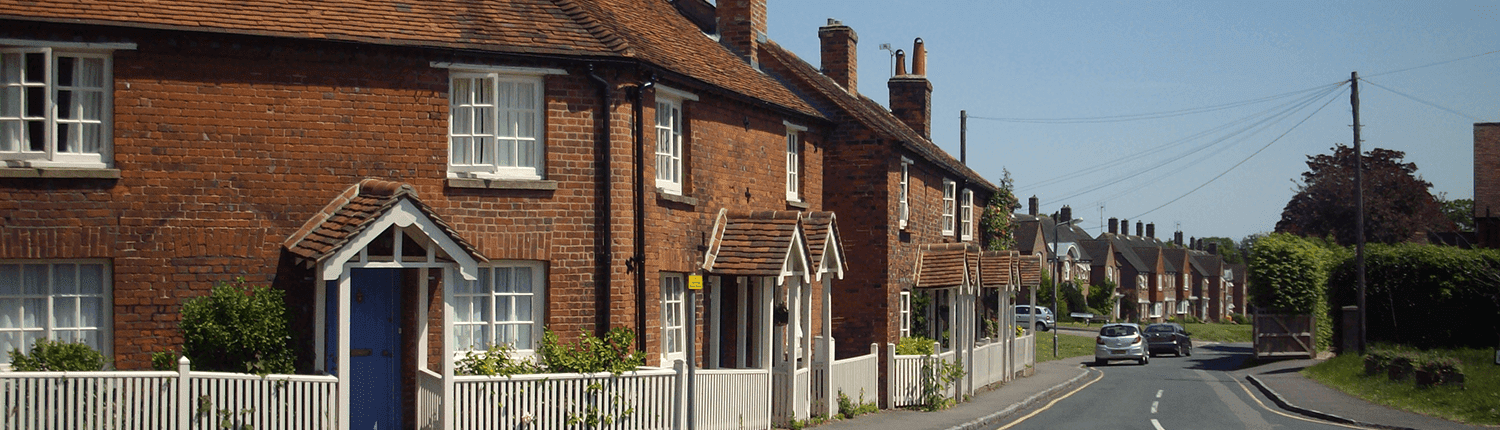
(695, 282)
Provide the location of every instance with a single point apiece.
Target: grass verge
(1067, 346)
(1477, 403)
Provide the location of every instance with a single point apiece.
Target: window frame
(676, 149)
(104, 322)
(673, 297)
(516, 169)
(794, 162)
(537, 306)
(950, 191)
(966, 215)
(51, 116)
(905, 313)
(904, 213)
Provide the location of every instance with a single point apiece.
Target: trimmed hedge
(1289, 274)
(1424, 295)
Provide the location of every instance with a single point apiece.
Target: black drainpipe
(604, 242)
(637, 262)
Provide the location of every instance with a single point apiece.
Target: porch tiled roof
(822, 229)
(944, 265)
(997, 267)
(752, 243)
(1031, 270)
(351, 213)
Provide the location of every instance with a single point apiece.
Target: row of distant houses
(427, 178)
(1155, 280)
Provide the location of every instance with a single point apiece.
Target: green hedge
(1289, 274)
(1425, 295)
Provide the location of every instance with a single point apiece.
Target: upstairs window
(54, 108)
(670, 168)
(794, 162)
(966, 215)
(905, 209)
(495, 127)
(949, 191)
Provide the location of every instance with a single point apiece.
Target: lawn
(1477, 403)
(1067, 346)
(1202, 332)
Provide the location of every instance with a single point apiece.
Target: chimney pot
(919, 58)
(911, 95)
(1114, 225)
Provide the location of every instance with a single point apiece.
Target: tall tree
(1397, 202)
(1228, 249)
(1460, 211)
(997, 223)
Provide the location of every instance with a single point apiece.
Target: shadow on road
(1220, 357)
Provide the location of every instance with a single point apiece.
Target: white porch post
(767, 293)
(320, 321)
(827, 346)
(449, 275)
(422, 329)
(343, 346)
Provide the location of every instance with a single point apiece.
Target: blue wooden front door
(374, 349)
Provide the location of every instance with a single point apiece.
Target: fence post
(184, 393)
(679, 397)
(890, 376)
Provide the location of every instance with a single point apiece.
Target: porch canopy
(377, 224)
(824, 244)
(998, 269)
(766, 243)
(948, 265)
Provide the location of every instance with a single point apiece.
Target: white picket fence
(908, 377)
(732, 399)
(986, 367)
(990, 366)
(429, 400)
(165, 400)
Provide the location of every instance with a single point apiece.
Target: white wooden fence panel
(732, 399)
(429, 400)
(269, 402)
(1025, 354)
(631, 401)
(69, 400)
(858, 378)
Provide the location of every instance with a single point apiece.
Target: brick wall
(1487, 183)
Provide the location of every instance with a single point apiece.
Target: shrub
(914, 345)
(164, 360)
(238, 328)
(849, 409)
(615, 353)
(1289, 274)
(497, 360)
(51, 356)
(1102, 296)
(1414, 293)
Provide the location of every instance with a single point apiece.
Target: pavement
(1281, 381)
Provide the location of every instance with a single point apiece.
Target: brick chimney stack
(911, 94)
(1177, 238)
(1031, 205)
(1151, 230)
(1125, 227)
(1067, 214)
(1114, 225)
(839, 56)
(1140, 229)
(742, 26)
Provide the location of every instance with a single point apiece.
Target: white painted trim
(663, 90)
(790, 263)
(422, 328)
(794, 127)
(403, 214)
(320, 301)
(107, 46)
(509, 70)
(448, 397)
(343, 343)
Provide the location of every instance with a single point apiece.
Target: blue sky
(1085, 59)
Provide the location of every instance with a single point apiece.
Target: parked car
(1120, 341)
(1169, 337)
(1044, 319)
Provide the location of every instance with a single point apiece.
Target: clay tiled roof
(866, 112)
(753, 243)
(943, 265)
(352, 212)
(1031, 270)
(995, 268)
(657, 33)
(823, 238)
(527, 26)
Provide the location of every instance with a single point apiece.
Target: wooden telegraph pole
(1359, 208)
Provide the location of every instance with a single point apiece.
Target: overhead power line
(1156, 115)
(1231, 168)
(1429, 65)
(1413, 98)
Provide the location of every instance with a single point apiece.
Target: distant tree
(999, 229)
(1460, 211)
(1229, 250)
(1248, 243)
(1397, 203)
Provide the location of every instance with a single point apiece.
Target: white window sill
(798, 204)
(663, 195)
(503, 184)
(59, 172)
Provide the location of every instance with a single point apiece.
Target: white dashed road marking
(1156, 424)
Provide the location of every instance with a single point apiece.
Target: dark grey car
(1169, 337)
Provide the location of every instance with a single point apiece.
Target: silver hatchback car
(1121, 341)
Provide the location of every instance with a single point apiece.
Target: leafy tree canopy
(1460, 211)
(999, 229)
(1228, 249)
(1397, 202)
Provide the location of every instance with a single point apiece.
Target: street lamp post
(1057, 278)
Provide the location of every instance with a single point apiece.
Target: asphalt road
(1170, 393)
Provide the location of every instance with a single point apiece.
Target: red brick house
(471, 171)
(1487, 184)
(895, 190)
